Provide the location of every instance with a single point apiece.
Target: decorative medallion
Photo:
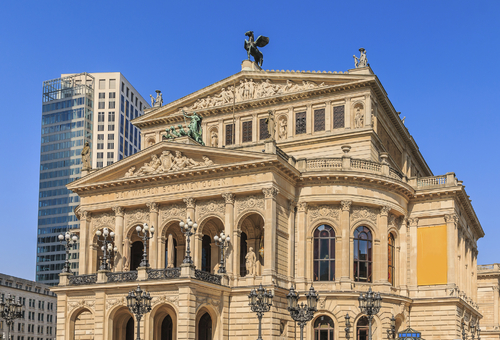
(173, 211)
(252, 202)
(212, 207)
(322, 211)
(137, 215)
(363, 213)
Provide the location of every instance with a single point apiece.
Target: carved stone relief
(322, 211)
(103, 219)
(116, 301)
(174, 299)
(173, 211)
(212, 207)
(364, 213)
(84, 301)
(137, 215)
(253, 202)
(200, 300)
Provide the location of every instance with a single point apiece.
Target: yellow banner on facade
(432, 261)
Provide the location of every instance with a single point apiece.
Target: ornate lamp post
(139, 303)
(369, 304)
(11, 310)
(146, 230)
(347, 326)
(391, 333)
(188, 229)
(302, 313)
(107, 246)
(222, 242)
(68, 240)
(260, 302)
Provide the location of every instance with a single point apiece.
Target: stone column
(126, 254)
(236, 132)
(403, 262)
(383, 273)
(413, 251)
(269, 234)
(347, 113)
(345, 229)
(290, 123)
(301, 242)
(119, 237)
(195, 244)
(328, 116)
(214, 257)
(309, 119)
(153, 242)
(84, 242)
(162, 241)
(234, 246)
(221, 134)
(368, 111)
(255, 128)
(451, 231)
(291, 237)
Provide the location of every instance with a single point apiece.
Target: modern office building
(78, 108)
(38, 321)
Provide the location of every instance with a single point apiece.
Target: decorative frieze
(137, 215)
(363, 213)
(104, 219)
(173, 211)
(252, 202)
(324, 211)
(212, 207)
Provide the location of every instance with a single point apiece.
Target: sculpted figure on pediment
(167, 161)
(182, 162)
(130, 172)
(149, 168)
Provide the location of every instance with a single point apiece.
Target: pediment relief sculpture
(249, 89)
(167, 162)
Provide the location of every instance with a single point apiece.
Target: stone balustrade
(488, 267)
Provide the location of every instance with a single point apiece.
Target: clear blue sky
(438, 61)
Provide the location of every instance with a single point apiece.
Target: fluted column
(383, 273)
(153, 242)
(119, 237)
(301, 242)
(195, 240)
(345, 226)
(291, 237)
(451, 232)
(413, 251)
(403, 261)
(84, 242)
(233, 251)
(269, 233)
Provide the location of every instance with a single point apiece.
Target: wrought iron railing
(164, 274)
(207, 277)
(122, 276)
(77, 280)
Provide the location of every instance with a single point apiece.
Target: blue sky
(438, 61)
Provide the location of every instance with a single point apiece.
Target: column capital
(228, 197)
(413, 221)
(384, 211)
(153, 207)
(292, 203)
(190, 202)
(451, 218)
(119, 211)
(271, 192)
(85, 215)
(302, 206)
(345, 205)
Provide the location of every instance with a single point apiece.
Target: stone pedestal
(64, 279)
(248, 65)
(101, 276)
(187, 270)
(142, 273)
(184, 140)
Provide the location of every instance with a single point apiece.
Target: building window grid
(263, 133)
(300, 123)
(247, 131)
(319, 120)
(338, 117)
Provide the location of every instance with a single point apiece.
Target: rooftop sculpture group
(251, 47)
(167, 162)
(158, 101)
(194, 131)
(361, 61)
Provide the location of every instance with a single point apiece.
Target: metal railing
(164, 274)
(122, 276)
(77, 280)
(207, 277)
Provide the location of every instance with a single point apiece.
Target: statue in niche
(86, 157)
(171, 250)
(216, 268)
(270, 124)
(158, 101)
(250, 262)
(126, 265)
(359, 118)
(167, 160)
(361, 61)
(194, 126)
(283, 133)
(214, 139)
(251, 47)
(130, 172)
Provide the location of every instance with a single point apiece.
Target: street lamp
(11, 310)
(347, 326)
(139, 303)
(302, 313)
(68, 240)
(188, 229)
(260, 302)
(391, 332)
(223, 242)
(146, 230)
(369, 304)
(107, 246)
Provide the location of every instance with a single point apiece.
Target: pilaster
(309, 119)
(269, 234)
(84, 241)
(328, 116)
(153, 242)
(233, 251)
(292, 204)
(451, 232)
(119, 212)
(403, 261)
(194, 244)
(345, 274)
(301, 243)
(383, 273)
(368, 111)
(347, 113)
(413, 250)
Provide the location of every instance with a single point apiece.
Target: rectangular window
(100, 146)
(319, 120)
(111, 155)
(112, 84)
(263, 133)
(112, 95)
(140, 106)
(338, 117)
(99, 164)
(111, 146)
(100, 155)
(100, 136)
(122, 104)
(127, 92)
(102, 83)
(300, 123)
(111, 127)
(131, 97)
(247, 131)
(102, 95)
(136, 101)
(111, 105)
(229, 134)
(100, 117)
(123, 87)
(100, 128)
(110, 162)
(102, 105)
(111, 116)
(111, 136)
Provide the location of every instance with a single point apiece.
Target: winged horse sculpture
(251, 47)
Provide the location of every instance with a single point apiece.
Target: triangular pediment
(169, 159)
(247, 87)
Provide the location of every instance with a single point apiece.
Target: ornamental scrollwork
(119, 211)
(228, 198)
(103, 219)
(173, 211)
(113, 302)
(302, 206)
(384, 211)
(413, 221)
(217, 207)
(322, 211)
(84, 301)
(252, 202)
(363, 213)
(190, 202)
(137, 215)
(270, 192)
(451, 218)
(201, 300)
(153, 207)
(174, 299)
(346, 205)
(85, 215)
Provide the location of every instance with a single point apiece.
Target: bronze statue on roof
(251, 47)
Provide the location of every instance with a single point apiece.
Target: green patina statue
(194, 128)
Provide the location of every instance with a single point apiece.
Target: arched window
(362, 328)
(206, 254)
(243, 253)
(323, 328)
(391, 258)
(166, 328)
(324, 253)
(363, 255)
(205, 327)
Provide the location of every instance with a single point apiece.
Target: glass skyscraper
(78, 108)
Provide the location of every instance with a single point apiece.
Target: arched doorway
(82, 325)
(206, 254)
(362, 328)
(323, 328)
(136, 255)
(129, 329)
(171, 230)
(174, 253)
(122, 324)
(252, 226)
(243, 252)
(167, 328)
(205, 327)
